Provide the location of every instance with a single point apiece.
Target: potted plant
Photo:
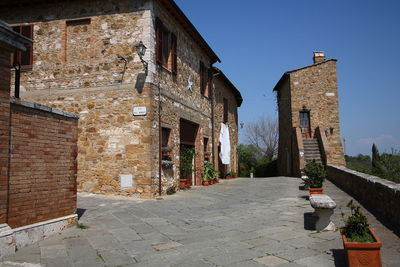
(316, 175)
(209, 174)
(186, 166)
(361, 244)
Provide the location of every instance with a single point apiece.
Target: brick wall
(4, 130)
(382, 196)
(43, 166)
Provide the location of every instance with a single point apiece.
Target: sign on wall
(139, 111)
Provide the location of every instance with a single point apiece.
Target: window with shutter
(174, 63)
(25, 58)
(166, 47)
(226, 108)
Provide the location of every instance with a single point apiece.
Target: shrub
(316, 174)
(356, 225)
(209, 172)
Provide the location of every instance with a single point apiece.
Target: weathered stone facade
(312, 90)
(225, 89)
(79, 54)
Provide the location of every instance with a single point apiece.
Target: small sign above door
(139, 111)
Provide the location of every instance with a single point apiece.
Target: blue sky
(259, 40)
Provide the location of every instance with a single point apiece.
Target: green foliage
(252, 161)
(82, 226)
(360, 163)
(186, 161)
(316, 174)
(356, 225)
(375, 156)
(386, 166)
(232, 173)
(209, 172)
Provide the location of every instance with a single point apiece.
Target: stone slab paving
(241, 222)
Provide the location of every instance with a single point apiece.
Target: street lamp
(141, 50)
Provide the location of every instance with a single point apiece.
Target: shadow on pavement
(309, 221)
(339, 257)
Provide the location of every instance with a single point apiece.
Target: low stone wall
(381, 195)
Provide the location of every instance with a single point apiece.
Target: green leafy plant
(209, 172)
(186, 161)
(356, 225)
(232, 173)
(315, 173)
(82, 226)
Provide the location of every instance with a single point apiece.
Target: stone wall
(76, 43)
(380, 195)
(43, 164)
(315, 88)
(285, 129)
(222, 90)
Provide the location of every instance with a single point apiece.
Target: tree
(263, 134)
(375, 156)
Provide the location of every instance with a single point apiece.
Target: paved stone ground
(241, 222)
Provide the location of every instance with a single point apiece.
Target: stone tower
(308, 109)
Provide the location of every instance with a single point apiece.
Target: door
(305, 124)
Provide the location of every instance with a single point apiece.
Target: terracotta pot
(363, 254)
(318, 190)
(205, 183)
(228, 177)
(217, 180)
(183, 183)
(212, 181)
(235, 176)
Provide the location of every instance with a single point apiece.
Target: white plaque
(139, 111)
(126, 180)
(330, 94)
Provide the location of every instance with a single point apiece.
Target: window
(205, 80)
(166, 47)
(206, 153)
(226, 107)
(24, 58)
(165, 136)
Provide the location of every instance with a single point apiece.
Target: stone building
(309, 116)
(84, 60)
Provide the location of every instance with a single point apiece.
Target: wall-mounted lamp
(141, 50)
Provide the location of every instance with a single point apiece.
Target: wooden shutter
(174, 57)
(202, 80)
(209, 84)
(25, 58)
(159, 41)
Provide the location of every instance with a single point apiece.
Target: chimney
(318, 57)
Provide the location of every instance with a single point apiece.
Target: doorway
(188, 135)
(305, 126)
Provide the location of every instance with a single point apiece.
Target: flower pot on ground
(232, 174)
(205, 182)
(318, 190)
(361, 244)
(183, 183)
(316, 175)
(186, 166)
(209, 173)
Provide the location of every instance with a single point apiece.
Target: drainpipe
(212, 123)
(159, 134)
(213, 96)
(17, 68)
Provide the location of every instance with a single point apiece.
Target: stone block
(7, 240)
